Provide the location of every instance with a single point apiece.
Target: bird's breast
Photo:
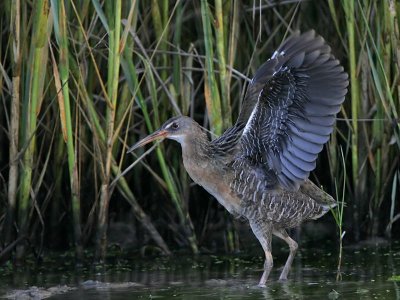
(213, 178)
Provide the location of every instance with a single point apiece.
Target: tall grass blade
(211, 92)
(60, 18)
(355, 104)
(114, 35)
(32, 103)
(221, 52)
(14, 120)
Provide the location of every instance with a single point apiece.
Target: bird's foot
(263, 279)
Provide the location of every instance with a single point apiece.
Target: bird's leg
(281, 233)
(268, 264)
(263, 233)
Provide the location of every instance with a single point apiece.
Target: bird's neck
(196, 147)
(196, 155)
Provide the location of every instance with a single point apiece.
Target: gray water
(368, 272)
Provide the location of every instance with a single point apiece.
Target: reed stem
(211, 92)
(15, 121)
(30, 113)
(355, 103)
(60, 26)
(114, 35)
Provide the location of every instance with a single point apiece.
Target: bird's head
(177, 128)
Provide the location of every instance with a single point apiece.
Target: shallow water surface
(369, 272)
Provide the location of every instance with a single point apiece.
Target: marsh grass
(338, 213)
(83, 80)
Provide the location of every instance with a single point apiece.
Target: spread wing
(290, 108)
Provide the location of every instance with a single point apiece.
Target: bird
(259, 168)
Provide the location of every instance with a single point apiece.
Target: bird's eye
(174, 125)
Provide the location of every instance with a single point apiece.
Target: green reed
(31, 105)
(62, 85)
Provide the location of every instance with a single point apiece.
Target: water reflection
(366, 271)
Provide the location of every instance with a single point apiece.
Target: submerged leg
(281, 233)
(263, 233)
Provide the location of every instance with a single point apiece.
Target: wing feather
(290, 108)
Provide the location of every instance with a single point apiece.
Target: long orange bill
(159, 134)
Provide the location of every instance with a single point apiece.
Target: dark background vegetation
(83, 80)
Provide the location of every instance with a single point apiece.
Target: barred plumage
(258, 169)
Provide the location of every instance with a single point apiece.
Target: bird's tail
(318, 195)
(325, 209)
(326, 201)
